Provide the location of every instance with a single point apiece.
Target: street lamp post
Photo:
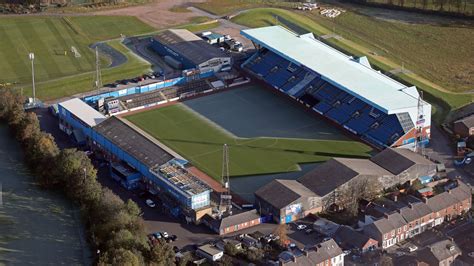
(32, 59)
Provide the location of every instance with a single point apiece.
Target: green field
(435, 53)
(201, 142)
(58, 72)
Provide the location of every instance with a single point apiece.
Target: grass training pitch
(265, 133)
(51, 39)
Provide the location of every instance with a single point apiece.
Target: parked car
(412, 248)
(150, 203)
(165, 235)
(309, 231)
(157, 235)
(175, 249)
(174, 237)
(301, 227)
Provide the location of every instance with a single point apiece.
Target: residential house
(388, 230)
(327, 253)
(442, 253)
(450, 203)
(349, 239)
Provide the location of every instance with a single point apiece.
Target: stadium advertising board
(293, 209)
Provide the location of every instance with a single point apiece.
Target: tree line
(115, 228)
(454, 7)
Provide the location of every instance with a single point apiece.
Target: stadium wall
(146, 88)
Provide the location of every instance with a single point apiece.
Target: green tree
(161, 255)
(120, 256)
(230, 249)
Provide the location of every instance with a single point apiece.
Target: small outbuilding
(464, 127)
(209, 252)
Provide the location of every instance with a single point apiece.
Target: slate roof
(239, 218)
(449, 198)
(322, 252)
(338, 171)
(438, 252)
(279, 193)
(389, 223)
(348, 237)
(467, 121)
(397, 160)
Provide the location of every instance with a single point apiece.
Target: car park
(150, 203)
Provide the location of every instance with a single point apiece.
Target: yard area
(199, 135)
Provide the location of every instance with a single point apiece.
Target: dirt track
(155, 14)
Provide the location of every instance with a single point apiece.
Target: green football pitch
(51, 39)
(199, 137)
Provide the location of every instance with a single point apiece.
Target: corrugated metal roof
(83, 111)
(188, 45)
(337, 68)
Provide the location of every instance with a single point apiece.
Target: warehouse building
(184, 50)
(286, 200)
(334, 176)
(321, 188)
(405, 165)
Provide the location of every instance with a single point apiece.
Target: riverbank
(36, 226)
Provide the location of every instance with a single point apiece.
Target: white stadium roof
(354, 76)
(83, 111)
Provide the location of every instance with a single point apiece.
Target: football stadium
(346, 90)
(293, 100)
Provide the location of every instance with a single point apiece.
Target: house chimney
(410, 205)
(293, 258)
(305, 253)
(395, 198)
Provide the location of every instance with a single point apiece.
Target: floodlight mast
(31, 56)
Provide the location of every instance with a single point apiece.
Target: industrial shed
(286, 200)
(183, 49)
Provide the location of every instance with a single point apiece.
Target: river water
(36, 226)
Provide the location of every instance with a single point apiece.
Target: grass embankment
(57, 71)
(434, 51)
(201, 143)
(222, 7)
